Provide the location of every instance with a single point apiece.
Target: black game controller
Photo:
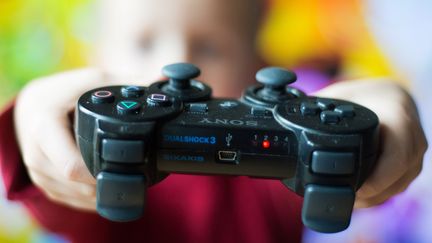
(132, 137)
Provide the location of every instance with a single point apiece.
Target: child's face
(138, 37)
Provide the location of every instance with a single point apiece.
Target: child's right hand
(45, 136)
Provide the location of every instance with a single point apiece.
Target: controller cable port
(226, 156)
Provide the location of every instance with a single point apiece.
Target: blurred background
(348, 38)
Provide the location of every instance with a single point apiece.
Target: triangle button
(128, 107)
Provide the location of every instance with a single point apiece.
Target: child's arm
(45, 136)
(55, 165)
(403, 142)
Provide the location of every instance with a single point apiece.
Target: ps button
(132, 91)
(228, 104)
(198, 107)
(327, 209)
(325, 104)
(102, 96)
(128, 107)
(158, 100)
(309, 109)
(329, 117)
(345, 110)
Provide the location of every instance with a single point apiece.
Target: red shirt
(181, 208)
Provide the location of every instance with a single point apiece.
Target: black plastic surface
(123, 151)
(120, 197)
(333, 163)
(327, 209)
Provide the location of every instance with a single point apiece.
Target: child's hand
(46, 139)
(403, 142)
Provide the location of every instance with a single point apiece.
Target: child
(138, 37)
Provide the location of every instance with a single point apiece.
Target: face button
(345, 110)
(128, 107)
(132, 91)
(228, 104)
(325, 104)
(102, 96)
(309, 109)
(329, 117)
(198, 107)
(158, 100)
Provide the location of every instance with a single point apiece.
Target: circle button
(102, 96)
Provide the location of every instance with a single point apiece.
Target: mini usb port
(227, 156)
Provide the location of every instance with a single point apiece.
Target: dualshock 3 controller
(132, 137)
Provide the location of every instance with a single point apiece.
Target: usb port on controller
(226, 156)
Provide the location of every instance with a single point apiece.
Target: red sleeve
(15, 178)
(51, 216)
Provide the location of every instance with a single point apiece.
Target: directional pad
(308, 108)
(345, 110)
(325, 104)
(329, 117)
(328, 110)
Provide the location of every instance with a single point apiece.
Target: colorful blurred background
(351, 38)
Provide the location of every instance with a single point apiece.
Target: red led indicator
(266, 144)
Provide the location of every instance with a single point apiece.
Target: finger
(62, 194)
(398, 187)
(394, 161)
(74, 189)
(76, 203)
(57, 143)
(77, 83)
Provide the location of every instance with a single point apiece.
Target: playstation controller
(132, 137)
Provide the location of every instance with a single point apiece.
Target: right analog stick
(275, 80)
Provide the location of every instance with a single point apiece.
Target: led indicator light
(266, 144)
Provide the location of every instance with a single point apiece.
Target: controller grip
(120, 197)
(327, 209)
